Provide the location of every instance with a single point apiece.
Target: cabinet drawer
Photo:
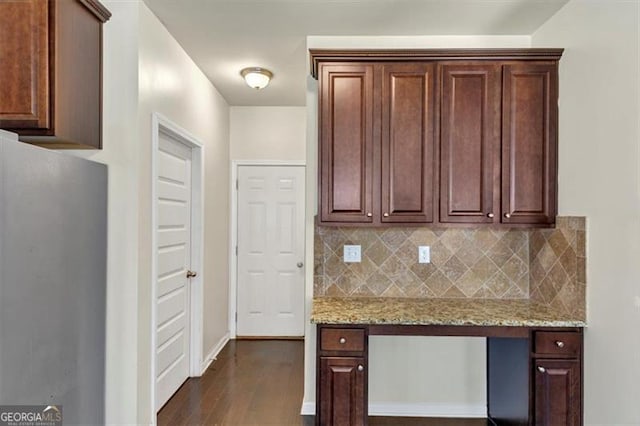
(557, 343)
(342, 339)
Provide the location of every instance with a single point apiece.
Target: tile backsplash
(546, 265)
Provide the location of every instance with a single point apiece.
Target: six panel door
(529, 143)
(469, 143)
(346, 143)
(407, 142)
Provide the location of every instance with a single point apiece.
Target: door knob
(191, 274)
(300, 265)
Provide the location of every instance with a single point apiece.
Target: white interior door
(173, 209)
(270, 251)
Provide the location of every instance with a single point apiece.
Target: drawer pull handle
(342, 340)
(360, 367)
(542, 369)
(560, 343)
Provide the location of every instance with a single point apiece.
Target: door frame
(161, 124)
(233, 235)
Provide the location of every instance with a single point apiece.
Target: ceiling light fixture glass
(256, 77)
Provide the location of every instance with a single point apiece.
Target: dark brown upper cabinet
(529, 143)
(346, 134)
(469, 142)
(457, 136)
(407, 142)
(51, 71)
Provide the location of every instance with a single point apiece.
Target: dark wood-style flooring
(259, 382)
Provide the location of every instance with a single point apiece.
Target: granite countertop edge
(441, 312)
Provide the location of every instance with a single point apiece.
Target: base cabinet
(557, 392)
(342, 384)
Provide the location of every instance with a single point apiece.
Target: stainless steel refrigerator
(53, 254)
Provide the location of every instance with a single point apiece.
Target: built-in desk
(534, 354)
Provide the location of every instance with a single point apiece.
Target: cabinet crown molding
(319, 56)
(95, 7)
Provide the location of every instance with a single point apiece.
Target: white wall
(599, 176)
(171, 84)
(121, 154)
(457, 365)
(268, 133)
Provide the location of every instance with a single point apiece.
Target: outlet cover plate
(424, 254)
(352, 254)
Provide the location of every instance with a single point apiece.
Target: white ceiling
(224, 36)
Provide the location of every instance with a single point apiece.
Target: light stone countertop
(409, 311)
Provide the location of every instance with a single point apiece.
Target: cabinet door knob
(369, 214)
(542, 369)
(360, 367)
(342, 340)
(507, 215)
(560, 343)
(386, 215)
(490, 215)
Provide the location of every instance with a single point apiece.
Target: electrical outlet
(424, 254)
(352, 254)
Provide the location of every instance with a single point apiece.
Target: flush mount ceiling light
(256, 77)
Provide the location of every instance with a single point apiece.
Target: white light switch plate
(352, 254)
(424, 254)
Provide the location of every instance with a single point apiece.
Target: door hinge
(237, 185)
(236, 250)
(236, 317)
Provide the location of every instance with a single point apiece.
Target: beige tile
(438, 283)
(378, 283)
(423, 270)
(562, 222)
(568, 261)
(547, 257)
(469, 254)
(581, 245)
(515, 267)
(500, 253)
(423, 237)
(408, 252)
(364, 237)
(378, 253)
(581, 270)
(363, 291)
(578, 223)
(484, 268)
(454, 293)
(558, 243)
(469, 283)
(483, 293)
(334, 266)
(348, 282)
(499, 284)
(454, 268)
(558, 276)
(484, 239)
(394, 268)
(537, 272)
(393, 291)
(548, 290)
(420, 291)
(393, 238)
(515, 293)
(440, 254)
(514, 239)
(335, 239)
(536, 242)
(454, 239)
(334, 291)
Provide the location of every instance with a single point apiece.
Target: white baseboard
(214, 353)
(402, 409)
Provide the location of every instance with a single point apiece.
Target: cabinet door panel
(529, 143)
(342, 391)
(24, 61)
(346, 150)
(407, 142)
(557, 393)
(470, 126)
